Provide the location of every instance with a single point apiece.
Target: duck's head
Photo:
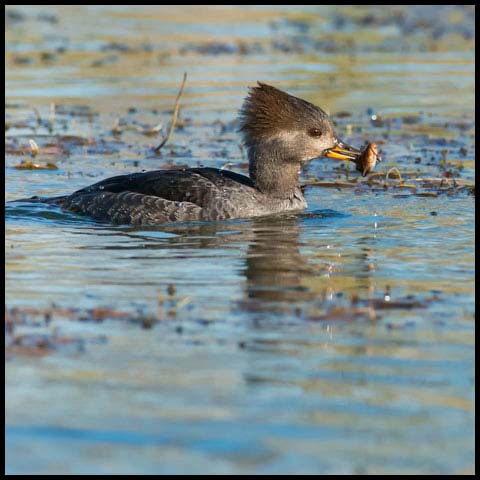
(296, 130)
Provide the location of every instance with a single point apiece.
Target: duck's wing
(200, 186)
(159, 196)
(130, 208)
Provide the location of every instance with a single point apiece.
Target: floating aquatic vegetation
(35, 331)
(119, 128)
(29, 165)
(394, 179)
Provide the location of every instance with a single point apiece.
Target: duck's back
(168, 195)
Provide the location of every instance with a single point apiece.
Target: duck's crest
(267, 110)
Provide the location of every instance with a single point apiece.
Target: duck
(280, 132)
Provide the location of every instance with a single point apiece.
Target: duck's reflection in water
(281, 272)
(274, 266)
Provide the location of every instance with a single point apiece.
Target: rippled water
(258, 364)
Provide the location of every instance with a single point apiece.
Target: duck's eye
(315, 132)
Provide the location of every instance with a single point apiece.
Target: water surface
(268, 355)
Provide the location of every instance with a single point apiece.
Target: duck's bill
(343, 151)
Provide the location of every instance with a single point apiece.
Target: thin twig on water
(175, 114)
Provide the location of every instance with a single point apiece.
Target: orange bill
(342, 151)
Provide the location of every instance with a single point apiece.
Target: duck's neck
(273, 170)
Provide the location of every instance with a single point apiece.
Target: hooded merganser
(281, 133)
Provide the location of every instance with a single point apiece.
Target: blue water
(260, 362)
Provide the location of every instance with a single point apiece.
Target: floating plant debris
(22, 340)
(29, 165)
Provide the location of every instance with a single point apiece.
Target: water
(267, 357)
